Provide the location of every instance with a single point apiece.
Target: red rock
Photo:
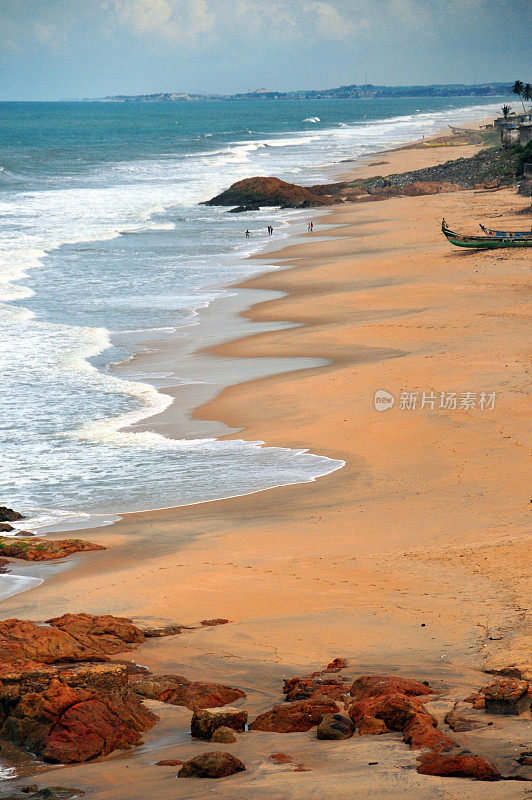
(377, 685)
(22, 640)
(66, 715)
(168, 763)
(281, 758)
(301, 715)
(223, 735)
(179, 691)
(476, 699)
(211, 765)
(305, 688)
(5, 527)
(106, 633)
(370, 726)
(166, 630)
(336, 665)
(461, 765)
(36, 549)
(418, 733)
(396, 710)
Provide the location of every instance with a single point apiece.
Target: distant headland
(353, 91)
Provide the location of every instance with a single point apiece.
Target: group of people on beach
(270, 230)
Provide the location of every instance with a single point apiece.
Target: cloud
(179, 20)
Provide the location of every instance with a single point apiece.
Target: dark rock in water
(8, 515)
(461, 765)
(211, 765)
(461, 724)
(269, 192)
(243, 209)
(50, 793)
(179, 691)
(168, 762)
(166, 630)
(508, 697)
(335, 726)
(5, 527)
(299, 716)
(212, 623)
(206, 721)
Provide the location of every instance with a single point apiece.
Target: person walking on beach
(247, 234)
(310, 227)
(271, 230)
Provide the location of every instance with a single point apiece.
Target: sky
(60, 49)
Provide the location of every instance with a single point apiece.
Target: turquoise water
(102, 234)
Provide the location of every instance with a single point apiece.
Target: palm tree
(518, 89)
(506, 111)
(527, 92)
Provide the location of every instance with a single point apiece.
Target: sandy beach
(413, 559)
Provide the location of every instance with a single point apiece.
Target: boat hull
(484, 242)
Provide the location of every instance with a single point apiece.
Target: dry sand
(412, 559)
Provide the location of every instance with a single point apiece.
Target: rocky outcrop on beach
(8, 515)
(461, 765)
(70, 715)
(260, 191)
(296, 716)
(36, 549)
(211, 765)
(179, 691)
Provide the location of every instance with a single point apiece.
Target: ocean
(103, 245)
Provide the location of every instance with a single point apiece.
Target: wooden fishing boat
(504, 234)
(484, 242)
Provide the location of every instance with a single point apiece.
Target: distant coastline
(353, 91)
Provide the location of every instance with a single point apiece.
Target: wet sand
(412, 559)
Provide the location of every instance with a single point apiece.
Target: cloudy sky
(53, 49)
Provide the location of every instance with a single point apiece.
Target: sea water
(103, 240)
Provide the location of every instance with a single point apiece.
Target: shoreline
(307, 535)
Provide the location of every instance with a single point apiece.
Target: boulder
(168, 762)
(206, 721)
(460, 724)
(461, 765)
(179, 691)
(36, 549)
(419, 734)
(211, 765)
(212, 623)
(396, 710)
(223, 735)
(305, 688)
(371, 726)
(508, 697)
(301, 715)
(335, 726)
(243, 209)
(378, 685)
(8, 515)
(262, 191)
(5, 527)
